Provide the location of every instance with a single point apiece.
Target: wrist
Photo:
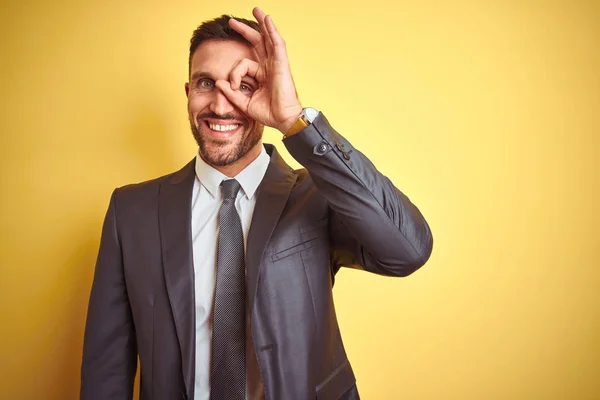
(306, 118)
(286, 126)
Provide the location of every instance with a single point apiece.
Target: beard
(220, 153)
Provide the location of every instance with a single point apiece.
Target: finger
(251, 35)
(245, 67)
(237, 98)
(260, 18)
(279, 51)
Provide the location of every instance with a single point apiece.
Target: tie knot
(231, 187)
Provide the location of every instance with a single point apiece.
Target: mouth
(222, 129)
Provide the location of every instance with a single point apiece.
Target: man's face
(222, 132)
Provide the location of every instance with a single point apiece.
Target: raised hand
(275, 102)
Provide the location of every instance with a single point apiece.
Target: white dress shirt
(206, 202)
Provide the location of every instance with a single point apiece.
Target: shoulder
(304, 187)
(148, 190)
(304, 181)
(304, 177)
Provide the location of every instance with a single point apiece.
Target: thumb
(236, 97)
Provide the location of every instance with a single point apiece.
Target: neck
(238, 166)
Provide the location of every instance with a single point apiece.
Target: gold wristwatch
(305, 119)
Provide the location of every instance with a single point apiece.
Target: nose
(219, 104)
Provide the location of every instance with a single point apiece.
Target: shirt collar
(249, 178)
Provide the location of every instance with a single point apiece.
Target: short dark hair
(218, 29)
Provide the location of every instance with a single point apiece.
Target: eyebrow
(250, 80)
(200, 74)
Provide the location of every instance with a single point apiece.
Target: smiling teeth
(223, 128)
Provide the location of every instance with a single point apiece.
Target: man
(219, 276)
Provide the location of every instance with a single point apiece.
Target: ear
(187, 89)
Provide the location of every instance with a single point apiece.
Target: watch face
(311, 114)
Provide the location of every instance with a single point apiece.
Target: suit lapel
(174, 212)
(272, 196)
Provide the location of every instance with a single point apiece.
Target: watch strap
(302, 122)
(299, 125)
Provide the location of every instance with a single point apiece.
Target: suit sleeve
(372, 225)
(109, 350)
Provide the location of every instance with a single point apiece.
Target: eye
(245, 88)
(205, 84)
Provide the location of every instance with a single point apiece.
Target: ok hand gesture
(275, 102)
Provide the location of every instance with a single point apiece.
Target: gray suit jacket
(338, 211)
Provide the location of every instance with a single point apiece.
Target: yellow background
(485, 113)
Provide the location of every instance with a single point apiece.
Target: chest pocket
(310, 236)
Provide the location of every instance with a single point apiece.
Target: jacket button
(340, 147)
(321, 148)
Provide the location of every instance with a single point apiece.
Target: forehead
(218, 57)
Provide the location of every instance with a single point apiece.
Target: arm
(109, 349)
(373, 226)
(388, 234)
